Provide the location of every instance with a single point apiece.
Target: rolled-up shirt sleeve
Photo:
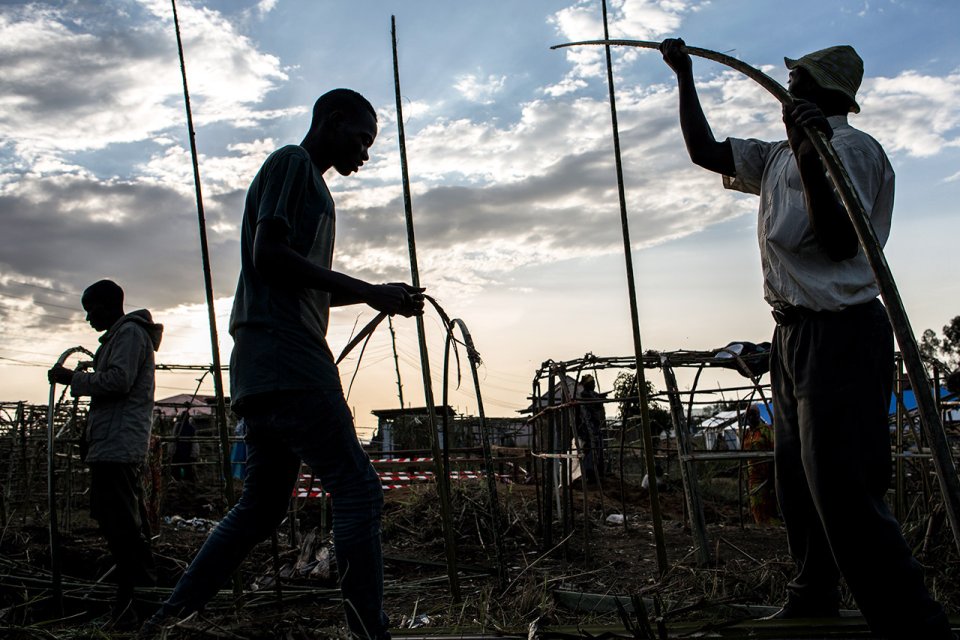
(749, 159)
(283, 192)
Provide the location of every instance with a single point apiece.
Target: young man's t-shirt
(279, 332)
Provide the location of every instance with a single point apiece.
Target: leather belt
(787, 314)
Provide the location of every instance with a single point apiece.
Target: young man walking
(284, 382)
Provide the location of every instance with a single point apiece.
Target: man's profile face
(355, 133)
(98, 314)
(801, 84)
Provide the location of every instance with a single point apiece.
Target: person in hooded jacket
(120, 388)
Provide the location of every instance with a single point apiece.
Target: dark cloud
(571, 208)
(83, 77)
(58, 234)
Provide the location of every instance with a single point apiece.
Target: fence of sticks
(549, 457)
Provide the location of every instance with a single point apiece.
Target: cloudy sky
(511, 160)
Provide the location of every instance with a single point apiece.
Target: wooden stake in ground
(926, 404)
(645, 434)
(54, 526)
(207, 284)
(440, 470)
(493, 502)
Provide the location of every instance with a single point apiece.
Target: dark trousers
(116, 503)
(590, 442)
(832, 376)
(283, 429)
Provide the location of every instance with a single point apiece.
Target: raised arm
(279, 264)
(702, 146)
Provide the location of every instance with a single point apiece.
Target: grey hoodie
(121, 390)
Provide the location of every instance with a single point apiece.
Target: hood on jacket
(143, 318)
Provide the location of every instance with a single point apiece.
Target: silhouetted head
(829, 77)
(588, 382)
(103, 302)
(342, 131)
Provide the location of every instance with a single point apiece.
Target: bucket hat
(837, 68)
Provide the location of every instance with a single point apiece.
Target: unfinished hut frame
(555, 413)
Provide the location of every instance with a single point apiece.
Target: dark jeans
(116, 503)
(283, 429)
(832, 376)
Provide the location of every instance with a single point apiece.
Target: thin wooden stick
(421, 334)
(688, 470)
(645, 434)
(226, 469)
(396, 360)
(493, 501)
(207, 282)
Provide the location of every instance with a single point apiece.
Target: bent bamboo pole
(926, 405)
(55, 580)
(493, 502)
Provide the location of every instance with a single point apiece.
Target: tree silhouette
(943, 351)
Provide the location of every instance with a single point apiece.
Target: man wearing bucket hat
(832, 352)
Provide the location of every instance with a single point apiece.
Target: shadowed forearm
(828, 217)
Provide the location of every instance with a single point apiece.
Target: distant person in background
(761, 486)
(659, 474)
(121, 388)
(591, 419)
(186, 449)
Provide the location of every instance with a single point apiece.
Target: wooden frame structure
(554, 417)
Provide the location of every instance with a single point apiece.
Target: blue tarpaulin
(909, 402)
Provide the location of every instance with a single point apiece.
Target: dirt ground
(748, 566)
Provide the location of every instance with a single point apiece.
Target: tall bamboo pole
(207, 282)
(635, 320)
(441, 471)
